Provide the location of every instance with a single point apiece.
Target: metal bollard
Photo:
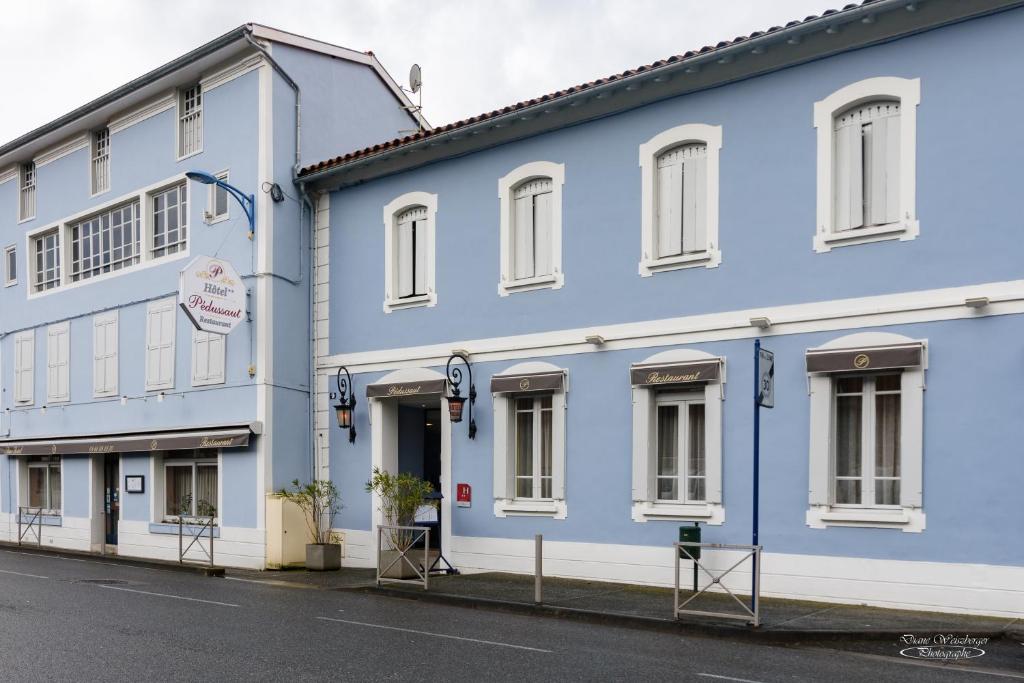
(538, 572)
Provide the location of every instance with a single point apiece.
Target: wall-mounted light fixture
(345, 407)
(456, 401)
(595, 339)
(977, 302)
(760, 322)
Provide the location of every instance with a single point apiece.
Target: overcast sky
(476, 55)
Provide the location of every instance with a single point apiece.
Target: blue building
(118, 416)
(843, 188)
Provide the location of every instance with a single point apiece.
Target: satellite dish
(415, 78)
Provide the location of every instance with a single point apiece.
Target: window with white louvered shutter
(531, 227)
(57, 357)
(104, 355)
(24, 367)
(207, 358)
(160, 323)
(866, 161)
(411, 266)
(681, 201)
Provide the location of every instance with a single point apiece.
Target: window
(44, 485)
(529, 440)
(27, 197)
(160, 324)
(100, 161)
(190, 121)
(866, 432)
(679, 194)
(409, 224)
(24, 367)
(190, 484)
(677, 437)
(207, 358)
(533, 447)
(106, 242)
(10, 266)
(47, 260)
(170, 220)
(866, 162)
(531, 227)
(104, 354)
(58, 349)
(218, 208)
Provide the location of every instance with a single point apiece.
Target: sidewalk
(650, 607)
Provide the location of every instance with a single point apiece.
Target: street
(75, 619)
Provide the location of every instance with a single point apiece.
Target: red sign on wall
(463, 495)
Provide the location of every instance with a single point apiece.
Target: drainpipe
(305, 202)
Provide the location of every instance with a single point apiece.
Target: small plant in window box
(401, 498)
(320, 503)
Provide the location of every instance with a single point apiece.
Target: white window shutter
(217, 353)
(57, 353)
(841, 185)
(699, 165)
(503, 455)
(24, 358)
(642, 453)
(420, 257)
(110, 366)
(892, 170)
(104, 345)
(160, 323)
(689, 201)
(911, 438)
(820, 451)
(558, 446)
(670, 194)
(405, 256)
(542, 207)
(167, 346)
(522, 227)
(200, 357)
(713, 442)
(875, 171)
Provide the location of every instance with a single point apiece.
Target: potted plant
(319, 502)
(401, 496)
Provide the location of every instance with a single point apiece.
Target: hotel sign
(866, 359)
(541, 381)
(211, 293)
(677, 373)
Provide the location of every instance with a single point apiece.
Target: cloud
(476, 55)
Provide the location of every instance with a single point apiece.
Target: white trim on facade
(8, 174)
(391, 212)
(10, 279)
(141, 113)
(908, 92)
(506, 186)
(650, 151)
(231, 72)
(69, 146)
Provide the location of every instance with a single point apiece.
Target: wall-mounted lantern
(345, 408)
(456, 402)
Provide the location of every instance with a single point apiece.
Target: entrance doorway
(111, 495)
(419, 440)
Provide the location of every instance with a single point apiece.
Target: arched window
(682, 208)
(409, 246)
(531, 227)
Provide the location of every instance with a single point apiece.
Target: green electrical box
(689, 534)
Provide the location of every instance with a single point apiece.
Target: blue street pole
(757, 467)
(247, 201)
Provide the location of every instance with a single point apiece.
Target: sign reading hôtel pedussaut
(211, 294)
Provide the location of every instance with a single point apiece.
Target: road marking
(435, 635)
(57, 557)
(32, 576)
(165, 595)
(271, 582)
(729, 678)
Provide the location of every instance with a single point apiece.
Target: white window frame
(31, 239)
(179, 121)
(26, 472)
(650, 151)
(149, 236)
(213, 346)
(908, 92)
(24, 368)
(58, 363)
(505, 502)
(909, 514)
(10, 279)
(28, 181)
(161, 307)
(392, 211)
(193, 462)
(507, 186)
(646, 506)
(211, 216)
(99, 162)
(134, 207)
(104, 354)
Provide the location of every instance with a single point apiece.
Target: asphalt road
(84, 620)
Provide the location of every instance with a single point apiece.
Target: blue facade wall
(767, 204)
(135, 506)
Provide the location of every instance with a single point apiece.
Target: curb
(735, 632)
(204, 570)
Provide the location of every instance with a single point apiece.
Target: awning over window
(400, 389)
(220, 437)
(690, 372)
(865, 359)
(527, 383)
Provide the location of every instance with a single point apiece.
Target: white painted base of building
(990, 590)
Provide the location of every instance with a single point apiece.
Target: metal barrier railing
(751, 552)
(195, 528)
(34, 522)
(400, 542)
